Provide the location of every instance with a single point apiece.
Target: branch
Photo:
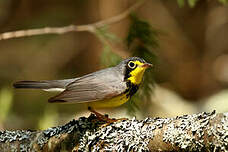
(71, 28)
(197, 132)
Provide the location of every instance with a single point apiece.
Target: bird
(106, 88)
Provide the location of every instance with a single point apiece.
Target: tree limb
(197, 132)
(71, 28)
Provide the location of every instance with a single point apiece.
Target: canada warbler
(105, 88)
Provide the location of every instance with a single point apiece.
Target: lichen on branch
(196, 132)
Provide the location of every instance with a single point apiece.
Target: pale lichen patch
(129, 135)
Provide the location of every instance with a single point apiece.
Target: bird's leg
(102, 117)
(99, 115)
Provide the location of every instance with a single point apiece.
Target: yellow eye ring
(131, 65)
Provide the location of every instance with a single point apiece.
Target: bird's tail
(45, 85)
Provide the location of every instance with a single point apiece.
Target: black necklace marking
(131, 89)
(127, 74)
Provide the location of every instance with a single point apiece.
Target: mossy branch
(197, 132)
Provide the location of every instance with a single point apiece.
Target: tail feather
(52, 84)
(32, 85)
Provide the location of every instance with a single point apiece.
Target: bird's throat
(136, 75)
(131, 89)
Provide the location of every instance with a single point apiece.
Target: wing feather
(100, 85)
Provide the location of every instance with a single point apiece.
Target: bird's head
(133, 69)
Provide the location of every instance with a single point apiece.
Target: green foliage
(142, 31)
(6, 98)
(181, 3)
(104, 33)
(108, 58)
(223, 1)
(142, 39)
(192, 3)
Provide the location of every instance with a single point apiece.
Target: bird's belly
(109, 103)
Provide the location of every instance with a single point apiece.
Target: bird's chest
(110, 103)
(118, 100)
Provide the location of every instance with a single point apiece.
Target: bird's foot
(105, 117)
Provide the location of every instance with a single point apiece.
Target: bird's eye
(131, 65)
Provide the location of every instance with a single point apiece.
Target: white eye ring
(131, 65)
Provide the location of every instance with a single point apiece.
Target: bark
(196, 132)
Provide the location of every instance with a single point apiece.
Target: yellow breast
(109, 103)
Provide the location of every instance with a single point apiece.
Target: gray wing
(96, 86)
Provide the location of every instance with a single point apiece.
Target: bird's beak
(147, 65)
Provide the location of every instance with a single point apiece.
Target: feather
(100, 85)
(45, 85)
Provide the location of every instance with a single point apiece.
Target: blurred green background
(185, 39)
